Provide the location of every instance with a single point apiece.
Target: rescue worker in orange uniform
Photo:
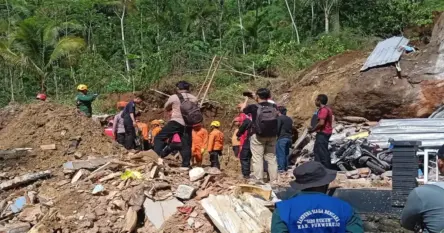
(143, 130)
(215, 144)
(155, 129)
(199, 145)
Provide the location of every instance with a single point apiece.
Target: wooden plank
(48, 147)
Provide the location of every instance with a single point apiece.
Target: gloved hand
(203, 151)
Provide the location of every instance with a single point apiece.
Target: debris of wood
(14, 153)
(115, 161)
(206, 181)
(130, 221)
(152, 209)
(86, 164)
(24, 179)
(154, 172)
(196, 174)
(78, 175)
(48, 147)
(245, 188)
(98, 170)
(184, 192)
(110, 176)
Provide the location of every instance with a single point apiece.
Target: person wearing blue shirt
(311, 210)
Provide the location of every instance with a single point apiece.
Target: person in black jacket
(285, 134)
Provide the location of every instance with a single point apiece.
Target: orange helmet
(155, 122)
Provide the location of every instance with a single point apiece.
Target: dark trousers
(130, 135)
(214, 158)
(282, 151)
(167, 132)
(245, 158)
(120, 138)
(236, 150)
(320, 149)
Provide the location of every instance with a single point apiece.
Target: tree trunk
(327, 21)
(56, 87)
(122, 29)
(242, 27)
(312, 16)
(12, 85)
(203, 35)
(293, 22)
(158, 28)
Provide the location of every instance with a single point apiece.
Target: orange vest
(144, 128)
(200, 140)
(216, 141)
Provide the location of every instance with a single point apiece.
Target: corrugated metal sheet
(430, 131)
(386, 51)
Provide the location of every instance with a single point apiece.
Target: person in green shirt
(84, 100)
(311, 210)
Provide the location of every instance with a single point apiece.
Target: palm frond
(66, 46)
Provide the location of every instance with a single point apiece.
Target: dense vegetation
(125, 45)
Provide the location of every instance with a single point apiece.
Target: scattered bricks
(184, 192)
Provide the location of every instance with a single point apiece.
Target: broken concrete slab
(24, 179)
(154, 171)
(158, 212)
(184, 192)
(14, 153)
(196, 174)
(48, 147)
(15, 228)
(86, 164)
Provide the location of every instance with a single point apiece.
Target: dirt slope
(377, 93)
(43, 123)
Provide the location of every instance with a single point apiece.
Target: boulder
(196, 174)
(184, 192)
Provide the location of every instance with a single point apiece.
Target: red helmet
(41, 96)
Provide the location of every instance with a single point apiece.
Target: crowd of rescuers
(261, 139)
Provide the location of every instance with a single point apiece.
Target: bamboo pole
(211, 81)
(206, 78)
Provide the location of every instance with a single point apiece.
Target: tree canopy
(126, 45)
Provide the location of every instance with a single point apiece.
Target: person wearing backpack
(185, 113)
(323, 129)
(264, 132)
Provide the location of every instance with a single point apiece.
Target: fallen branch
(206, 78)
(159, 92)
(211, 81)
(27, 178)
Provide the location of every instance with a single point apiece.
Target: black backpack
(266, 121)
(190, 111)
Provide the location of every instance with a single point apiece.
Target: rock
(31, 214)
(78, 155)
(15, 228)
(196, 174)
(364, 172)
(198, 224)
(91, 216)
(349, 174)
(62, 182)
(48, 147)
(214, 171)
(167, 208)
(32, 197)
(387, 174)
(120, 204)
(100, 212)
(354, 177)
(184, 192)
(190, 222)
(24, 179)
(45, 199)
(110, 176)
(98, 189)
(86, 164)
